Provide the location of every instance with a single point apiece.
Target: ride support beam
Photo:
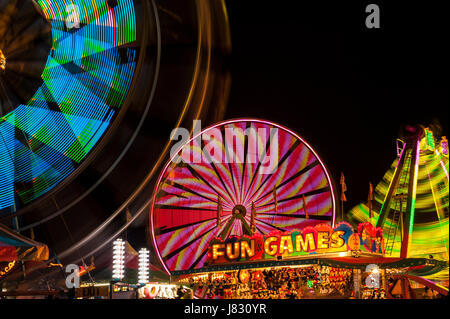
(405, 288)
(384, 212)
(408, 218)
(428, 283)
(225, 231)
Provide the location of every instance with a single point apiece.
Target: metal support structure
(392, 188)
(357, 283)
(439, 212)
(408, 218)
(405, 288)
(238, 212)
(402, 227)
(16, 227)
(111, 289)
(252, 219)
(219, 211)
(411, 149)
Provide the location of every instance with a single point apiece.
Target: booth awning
(14, 246)
(411, 264)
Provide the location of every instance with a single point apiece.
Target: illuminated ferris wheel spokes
(198, 201)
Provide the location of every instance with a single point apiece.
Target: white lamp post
(118, 259)
(144, 257)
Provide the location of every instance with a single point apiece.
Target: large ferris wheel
(215, 186)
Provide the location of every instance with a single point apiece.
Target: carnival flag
(370, 199)
(128, 215)
(304, 207)
(274, 193)
(219, 210)
(252, 218)
(343, 188)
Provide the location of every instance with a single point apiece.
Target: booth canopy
(14, 246)
(412, 265)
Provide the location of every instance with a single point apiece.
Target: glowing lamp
(118, 259)
(144, 264)
(427, 142)
(444, 145)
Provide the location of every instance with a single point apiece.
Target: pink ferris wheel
(236, 177)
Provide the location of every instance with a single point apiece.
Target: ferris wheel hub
(239, 210)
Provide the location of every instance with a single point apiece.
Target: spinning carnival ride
(234, 178)
(85, 87)
(87, 74)
(411, 202)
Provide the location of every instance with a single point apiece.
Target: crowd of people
(278, 283)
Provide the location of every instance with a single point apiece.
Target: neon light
(427, 143)
(240, 190)
(85, 82)
(321, 239)
(413, 205)
(430, 235)
(7, 268)
(118, 259)
(443, 166)
(390, 184)
(444, 145)
(438, 207)
(144, 264)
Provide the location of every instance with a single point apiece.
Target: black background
(316, 68)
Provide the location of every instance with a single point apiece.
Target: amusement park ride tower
(411, 202)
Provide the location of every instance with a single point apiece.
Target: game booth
(154, 290)
(313, 263)
(268, 226)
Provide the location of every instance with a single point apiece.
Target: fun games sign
(319, 239)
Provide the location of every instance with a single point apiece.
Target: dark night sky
(346, 89)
